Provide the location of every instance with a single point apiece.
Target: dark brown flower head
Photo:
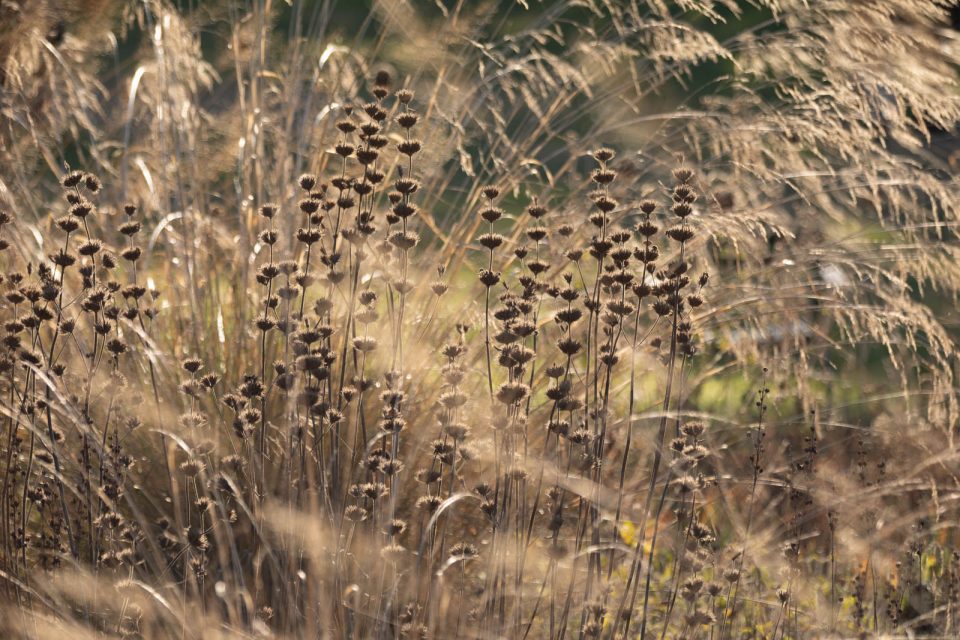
(377, 141)
(92, 183)
(130, 228)
(396, 527)
(605, 204)
(355, 513)
(693, 429)
(369, 156)
(603, 155)
(368, 129)
(680, 233)
(72, 179)
(555, 371)
(536, 210)
(210, 380)
(682, 209)
(662, 307)
(409, 147)
(116, 346)
(489, 278)
(464, 550)
(404, 210)
(407, 119)
(346, 126)
(491, 214)
(603, 176)
(537, 234)
(375, 112)
(67, 224)
(429, 504)
(647, 229)
(81, 209)
(90, 248)
(490, 240)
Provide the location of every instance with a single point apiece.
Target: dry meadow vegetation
(479, 319)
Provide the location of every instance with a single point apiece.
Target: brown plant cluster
(521, 353)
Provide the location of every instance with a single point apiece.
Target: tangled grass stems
(241, 402)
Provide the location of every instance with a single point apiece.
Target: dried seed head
(81, 209)
(355, 513)
(409, 147)
(604, 154)
(308, 205)
(191, 467)
(72, 179)
(369, 156)
(511, 393)
(407, 119)
(429, 504)
(464, 550)
(680, 233)
(68, 224)
(604, 177)
(693, 429)
(491, 214)
(90, 248)
(130, 229)
(489, 278)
